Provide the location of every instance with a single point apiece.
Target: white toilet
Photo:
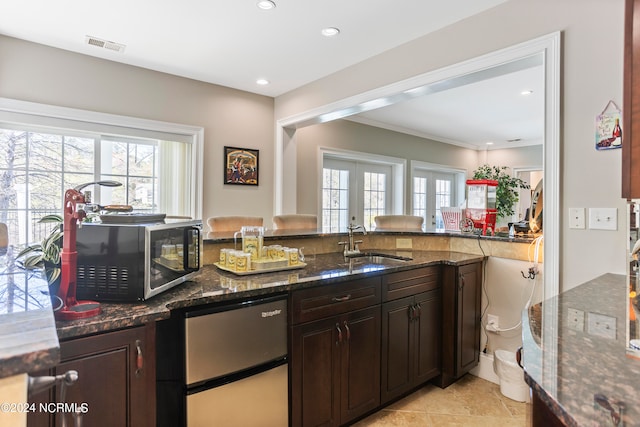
(511, 376)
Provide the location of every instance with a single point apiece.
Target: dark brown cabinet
(116, 380)
(631, 103)
(335, 353)
(410, 331)
(461, 300)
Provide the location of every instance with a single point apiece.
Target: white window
(432, 190)
(354, 191)
(335, 199)
(38, 167)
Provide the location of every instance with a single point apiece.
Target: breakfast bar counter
(575, 357)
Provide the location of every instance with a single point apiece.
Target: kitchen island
(575, 357)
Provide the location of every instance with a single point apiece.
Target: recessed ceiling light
(526, 92)
(262, 82)
(330, 31)
(489, 143)
(266, 4)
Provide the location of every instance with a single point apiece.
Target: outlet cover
(602, 326)
(576, 218)
(404, 244)
(575, 319)
(603, 218)
(494, 320)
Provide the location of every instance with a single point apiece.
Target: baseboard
(484, 369)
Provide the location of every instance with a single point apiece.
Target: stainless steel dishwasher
(235, 365)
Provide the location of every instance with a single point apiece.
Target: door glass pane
(335, 199)
(443, 199)
(374, 197)
(420, 197)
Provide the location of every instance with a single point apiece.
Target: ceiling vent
(105, 44)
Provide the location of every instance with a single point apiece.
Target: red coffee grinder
(75, 205)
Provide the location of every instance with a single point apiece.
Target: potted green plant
(46, 253)
(507, 190)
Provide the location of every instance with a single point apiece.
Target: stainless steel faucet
(351, 247)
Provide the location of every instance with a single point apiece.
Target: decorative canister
(223, 256)
(273, 251)
(231, 260)
(243, 261)
(291, 254)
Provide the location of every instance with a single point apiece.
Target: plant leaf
(51, 218)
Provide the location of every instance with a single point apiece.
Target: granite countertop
(576, 364)
(27, 327)
(29, 337)
(213, 285)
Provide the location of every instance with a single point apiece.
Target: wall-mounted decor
(240, 166)
(609, 128)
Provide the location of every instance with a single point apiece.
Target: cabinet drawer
(410, 282)
(325, 301)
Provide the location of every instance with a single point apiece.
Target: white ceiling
(233, 43)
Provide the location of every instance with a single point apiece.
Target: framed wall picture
(240, 166)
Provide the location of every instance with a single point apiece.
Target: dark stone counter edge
(171, 300)
(273, 235)
(551, 403)
(35, 361)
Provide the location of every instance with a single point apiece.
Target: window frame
(44, 116)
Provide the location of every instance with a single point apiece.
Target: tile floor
(471, 401)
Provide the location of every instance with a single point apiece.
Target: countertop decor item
(506, 192)
(241, 166)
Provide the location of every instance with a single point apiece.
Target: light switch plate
(575, 319)
(602, 326)
(603, 218)
(576, 218)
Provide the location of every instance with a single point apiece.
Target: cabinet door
(315, 373)
(360, 361)
(469, 282)
(631, 103)
(116, 378)
(397, 352)
(427, 332)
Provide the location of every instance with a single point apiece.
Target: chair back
(295, 222)
(233, 223)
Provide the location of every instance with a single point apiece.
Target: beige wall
(592, 61)
(36, 73)
(357, 137)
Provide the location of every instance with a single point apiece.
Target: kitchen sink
(373, 261)
(377, 258)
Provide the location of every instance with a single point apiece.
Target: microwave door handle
(196, 251)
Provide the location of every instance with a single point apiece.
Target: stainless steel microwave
(134, 262)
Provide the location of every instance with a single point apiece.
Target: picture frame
(241, 166)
